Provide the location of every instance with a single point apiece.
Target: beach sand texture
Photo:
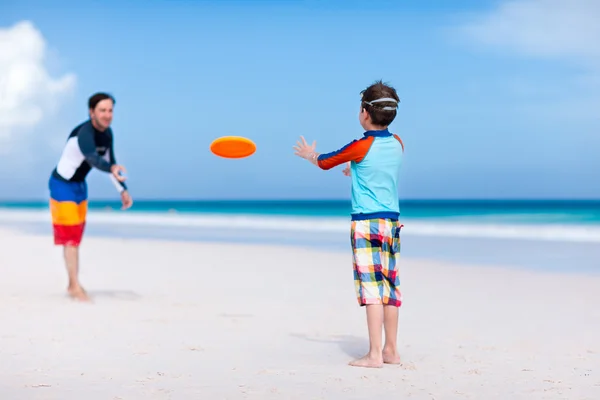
(174, 320)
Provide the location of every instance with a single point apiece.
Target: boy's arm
(353, 151)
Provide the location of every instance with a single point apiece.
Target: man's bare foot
(78, 293)
(391, 357)
(367, 361)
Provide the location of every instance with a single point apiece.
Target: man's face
(102, 115)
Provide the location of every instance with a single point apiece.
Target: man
(89, 145)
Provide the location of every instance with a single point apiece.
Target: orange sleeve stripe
(400, 140)
(353, 151)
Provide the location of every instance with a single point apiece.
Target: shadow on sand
(353, 346)
(114, 294)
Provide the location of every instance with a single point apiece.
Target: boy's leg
(374, 358)
(366, 247)
(390, 256)
(390, 323)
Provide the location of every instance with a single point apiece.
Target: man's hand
(126, 200)
(346, 170)
(116, 170)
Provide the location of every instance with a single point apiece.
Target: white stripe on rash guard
(116, 183)
(114, 180)
(70, 159)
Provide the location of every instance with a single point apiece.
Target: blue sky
(497, 100)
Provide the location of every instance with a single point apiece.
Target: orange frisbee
(233, 147)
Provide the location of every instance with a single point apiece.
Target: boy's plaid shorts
(375, 255)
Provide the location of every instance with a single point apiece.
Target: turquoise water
(471, 211)
(549, 235)
(572, 221)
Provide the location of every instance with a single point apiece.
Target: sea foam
(422, 227)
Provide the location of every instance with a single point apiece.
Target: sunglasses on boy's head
(382, 100)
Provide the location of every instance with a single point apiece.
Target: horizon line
(309, 200)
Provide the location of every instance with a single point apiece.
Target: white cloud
(28, 94)
(562, 29)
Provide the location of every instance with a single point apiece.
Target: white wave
(545, 232)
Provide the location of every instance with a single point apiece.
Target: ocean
(549, 234)
(534, 219)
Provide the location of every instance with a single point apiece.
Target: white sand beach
(174, 320)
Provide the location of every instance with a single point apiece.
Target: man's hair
(382, 113)
(97, 98)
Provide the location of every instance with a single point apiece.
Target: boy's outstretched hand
(305, 151)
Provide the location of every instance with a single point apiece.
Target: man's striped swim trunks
(68, 207)
(375, 255)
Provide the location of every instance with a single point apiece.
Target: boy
(373, 162)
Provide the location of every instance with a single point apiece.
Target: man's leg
(74, 289)
(71, 253)
(68, 206)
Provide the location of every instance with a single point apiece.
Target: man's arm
(353, 151)
(87, 145)
(111, 155)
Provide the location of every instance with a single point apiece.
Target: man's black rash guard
(87, 147)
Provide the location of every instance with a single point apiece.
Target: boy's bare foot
(78, 293)
(367, 361)
(391, 357)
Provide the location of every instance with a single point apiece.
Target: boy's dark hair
(382, 113)
(97, 98)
